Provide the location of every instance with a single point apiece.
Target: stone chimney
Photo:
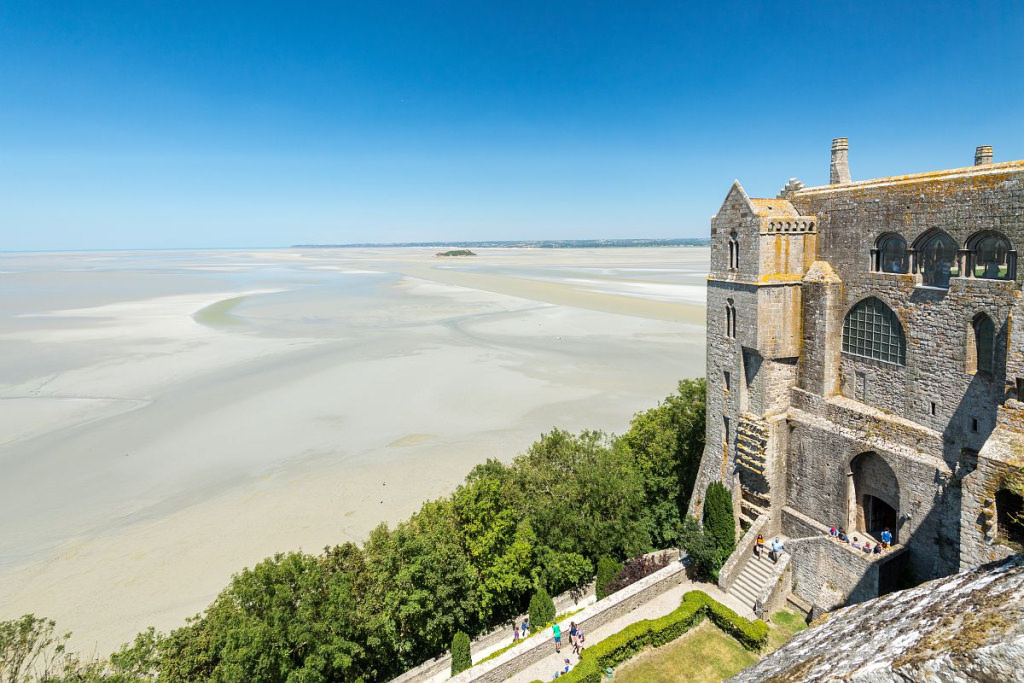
(983, 155)
(840, 170)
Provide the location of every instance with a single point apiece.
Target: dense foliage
(637, 568)
(607, 570)
(467, 562)
(711, 545)
(641, 635)
(461, 656)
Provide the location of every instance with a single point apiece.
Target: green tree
(139, 661)
(283, 620)
(542, 609)
(607, 570)
(668, 442)
(719, 522)
(418, 588)
(560, 571)
(701, 550)
(500, 545)
(582, 494)
(462, 658)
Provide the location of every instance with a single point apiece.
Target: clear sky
(213, 124)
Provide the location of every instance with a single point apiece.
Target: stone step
(746, 586)
(758, 568)
(745, 597)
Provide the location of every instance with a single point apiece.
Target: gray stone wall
(944, 435)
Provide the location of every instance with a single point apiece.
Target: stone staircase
(753, 577)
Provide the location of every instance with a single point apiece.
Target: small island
(455, 252)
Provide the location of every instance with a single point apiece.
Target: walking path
(659, 606)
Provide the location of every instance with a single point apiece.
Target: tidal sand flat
(169, 418)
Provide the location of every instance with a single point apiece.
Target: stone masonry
(865, 366)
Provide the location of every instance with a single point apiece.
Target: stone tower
(865, 369)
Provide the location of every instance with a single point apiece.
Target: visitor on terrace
(759, 546)
(843, 538)
(777, 549)
(886, 538)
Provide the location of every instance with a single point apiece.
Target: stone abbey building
(866, 369)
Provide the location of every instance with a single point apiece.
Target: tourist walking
(573, 632)
(557, 630)
(577, 647)
(759, 546)
(515, 633)
(886, 538)
(524, 631)
(777, 549)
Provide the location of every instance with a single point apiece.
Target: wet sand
(168, 418)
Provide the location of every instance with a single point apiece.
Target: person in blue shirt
(886, 538)
(777, 549)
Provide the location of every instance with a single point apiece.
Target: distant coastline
(527, 244)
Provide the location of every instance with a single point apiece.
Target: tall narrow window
(981, 354)
(734, 251)
(730, 319)
(872, 330)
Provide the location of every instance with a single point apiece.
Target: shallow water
(167, 418)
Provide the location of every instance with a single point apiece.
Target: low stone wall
(597, 615)
(564, 602)
(776, 589)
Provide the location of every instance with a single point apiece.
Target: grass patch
(704, 654)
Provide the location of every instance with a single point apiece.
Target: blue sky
(212, 124)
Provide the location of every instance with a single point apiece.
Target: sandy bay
(167, 418)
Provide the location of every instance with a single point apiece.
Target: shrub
(695, 605)
(719, 522)
(701, 550)
(462, 659)
(636, 569)
(607, 570)
(542, 609)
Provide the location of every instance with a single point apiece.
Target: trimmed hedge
(621, 646)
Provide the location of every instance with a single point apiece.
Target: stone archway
(873, 496)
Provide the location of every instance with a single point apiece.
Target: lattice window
(872, 330)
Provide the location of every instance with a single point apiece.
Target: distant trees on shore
(463, 563)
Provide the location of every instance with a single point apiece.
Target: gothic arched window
(992, 256)
(981, 345)
(892, 254)
(734, 251)
(872, 330)
(936, 258)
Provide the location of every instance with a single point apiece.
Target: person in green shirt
(558, 636)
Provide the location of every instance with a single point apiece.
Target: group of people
(576, 640)
(576, 637)
(775, 551)
(521, 631)
(885, 542)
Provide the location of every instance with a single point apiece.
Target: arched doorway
(873, 496)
